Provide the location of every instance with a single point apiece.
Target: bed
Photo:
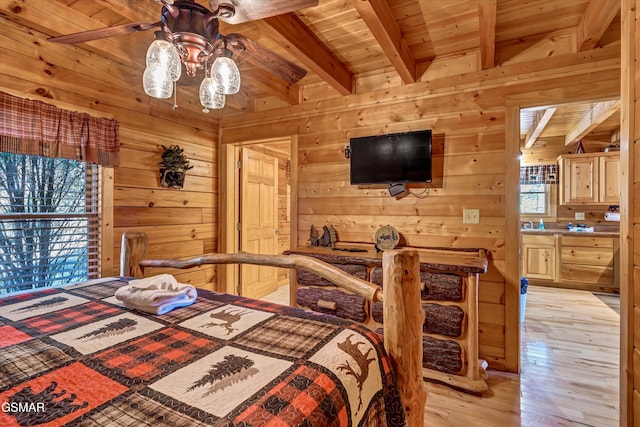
(76, 356)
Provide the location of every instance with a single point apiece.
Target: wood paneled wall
(630, 218)
(467, 113)
(178, 221)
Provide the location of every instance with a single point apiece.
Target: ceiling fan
(194, 32)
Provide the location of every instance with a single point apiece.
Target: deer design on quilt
(362, 360)
(228, 319)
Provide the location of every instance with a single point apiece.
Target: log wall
(468, 115)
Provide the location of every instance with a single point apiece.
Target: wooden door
(610, 179)
(258, 220)
(579, 180)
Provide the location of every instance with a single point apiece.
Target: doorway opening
(256, 214)
(570, 325)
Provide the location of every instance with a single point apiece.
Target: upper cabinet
(592, 178)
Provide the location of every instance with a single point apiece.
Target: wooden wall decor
(173, 167)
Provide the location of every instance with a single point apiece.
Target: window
(538, 201)
(49, 222)
(533, 199)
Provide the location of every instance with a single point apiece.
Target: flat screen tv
(388, 159)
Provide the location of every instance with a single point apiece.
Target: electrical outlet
(471, 216)
(579, 215)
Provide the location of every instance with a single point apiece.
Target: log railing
(401, 301)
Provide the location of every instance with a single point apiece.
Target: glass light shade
(164, 54)
(210, 97)
(226, 71)
(157, 82)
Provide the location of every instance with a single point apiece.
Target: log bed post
(403, 320)
(132, 252)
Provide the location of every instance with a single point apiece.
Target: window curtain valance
(539, 174)
(36, 128)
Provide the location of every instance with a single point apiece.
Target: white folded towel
(157, 294)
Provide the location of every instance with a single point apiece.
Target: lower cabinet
(575, 261)
(448, 298)
(590, 262)
(539, 257)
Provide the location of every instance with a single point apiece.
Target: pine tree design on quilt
(119, 327)
(47, 399)
(231, 370)
(228, 318)
(362, 360)
(43, 304)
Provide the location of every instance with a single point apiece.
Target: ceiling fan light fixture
(157, 82)
(163, 54)
(225, 70)
(210, 95)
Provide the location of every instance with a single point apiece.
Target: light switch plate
(579, 215)
(471, 216)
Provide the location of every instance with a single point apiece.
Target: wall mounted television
(394, 158)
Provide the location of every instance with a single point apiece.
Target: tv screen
(395, 158)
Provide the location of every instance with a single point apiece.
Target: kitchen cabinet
(539, 257)
(592, 178)
(572, 260)
(590, 261)
(609, 179)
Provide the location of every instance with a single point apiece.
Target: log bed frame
(401, 302)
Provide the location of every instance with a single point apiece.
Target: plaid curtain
(540, 174)
(35, 128)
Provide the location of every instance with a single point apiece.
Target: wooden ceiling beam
(597, 17)
(600, 112)
(540, 121)
(295, 37)
(487, 15)
(378, 17)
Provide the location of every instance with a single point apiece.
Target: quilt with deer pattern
(76, 356)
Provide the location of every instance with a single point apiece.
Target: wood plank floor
(570, 370)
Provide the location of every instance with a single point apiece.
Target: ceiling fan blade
(264, 58)
(250, 10)
(86, 36)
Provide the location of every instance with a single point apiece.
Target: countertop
(566, 232)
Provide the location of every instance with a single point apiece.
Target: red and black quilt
(76, 356)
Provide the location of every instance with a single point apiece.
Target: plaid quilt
(76, 356)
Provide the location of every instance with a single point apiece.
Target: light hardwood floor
(570, 370)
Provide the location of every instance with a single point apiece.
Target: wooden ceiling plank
(537, 126)
(295, 37)
(135, 10)
(487, 14)
(378, 17)
(52, 18)
(600, 112)
(263, 81)
(594, 22)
